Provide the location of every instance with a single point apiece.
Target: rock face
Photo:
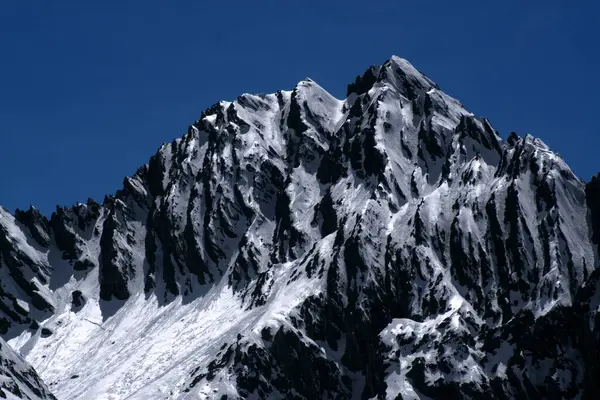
(18, 380)
(293, 245)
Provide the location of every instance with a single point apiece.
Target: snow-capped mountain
(293, 245)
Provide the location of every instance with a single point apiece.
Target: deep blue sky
(89, 90)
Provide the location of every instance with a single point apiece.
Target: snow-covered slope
(293, 245)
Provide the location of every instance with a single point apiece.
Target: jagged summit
(400, 73)
(397, 72)
(295, 245)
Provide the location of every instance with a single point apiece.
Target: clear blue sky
(90, 89)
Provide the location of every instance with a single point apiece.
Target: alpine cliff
(293, 245)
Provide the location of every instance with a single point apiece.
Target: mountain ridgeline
(293, 245)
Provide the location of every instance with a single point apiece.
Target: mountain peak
(404, 68)
(295, 245)
(306, 83)
(396, 72)
(402, 75)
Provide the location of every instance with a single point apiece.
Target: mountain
(293, 245)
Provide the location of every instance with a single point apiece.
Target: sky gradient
(88, 92)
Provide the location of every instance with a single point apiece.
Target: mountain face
(18, 380)
(293, 245)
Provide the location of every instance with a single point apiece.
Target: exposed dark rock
(46, 332)
(83, 265)
(592, 192)
(113, 276)
(77, 300)
(18, 379)
(65, 238)
(364, 83)
(37, 225)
